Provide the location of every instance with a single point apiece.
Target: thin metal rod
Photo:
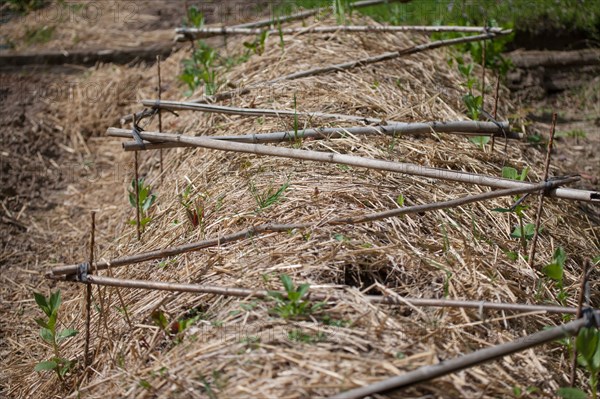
(315, 296)
(538, 218)
(255, 230)
(185, 33)
(350, 160)
(427, 373)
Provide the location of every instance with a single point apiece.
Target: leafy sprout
(291, 305)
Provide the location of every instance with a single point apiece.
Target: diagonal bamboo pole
(185, 33)
(256, 230)
(353, 64)
(317, 297)
(427, 373)
(397, 167)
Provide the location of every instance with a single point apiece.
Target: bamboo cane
(317, 297)
(310, 13)
(185, 33)
(222, 109)
(459, 127)
(427, 373)
(318, 156)
(195, 246)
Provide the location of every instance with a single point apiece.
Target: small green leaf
(554, 271)
(42, 323)
(41, 302)
(571, 393)
(588, 343)
(287, 283)
(47, 365)
(400, 200)
(54, 302)
(509, 173)
(145, 384)
(559, 256)
(47, 335)
(68, 333)
(480, 140)
(303, 289)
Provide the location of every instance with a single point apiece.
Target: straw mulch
(237, 347)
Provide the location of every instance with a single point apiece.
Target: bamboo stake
(353, 64)
(88, 294)
(538, 217)
(253, 231)
(314, 296)
(397, 167)
(159, 111)
(427, 373)
(584, 275)
(459, 127)
(496, 91)
(483, 74)
(185, 33)
(137, 198)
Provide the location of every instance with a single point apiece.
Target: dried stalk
(496, 91)
(253, 231)
(397, 167)
(458, 127)
(427, 373)
(313, 296)
(538, 217)
(88, 295)
(159, 112)
(185, 34)
(353, 64)
(584, 275)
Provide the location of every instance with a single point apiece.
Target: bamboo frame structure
(427, 373)
(397, 167)
(185, 34)
(195, 246)
(318, 297)
(468, 128)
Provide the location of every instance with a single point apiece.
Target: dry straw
(238, 347)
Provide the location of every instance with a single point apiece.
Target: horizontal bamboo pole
(427, 373)
(353, 64)
(309, 13)
(271, 227)
(315, 296)
(468, 128)
(223, 109)
(350, 160)
(185, 34)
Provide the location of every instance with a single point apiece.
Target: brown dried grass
(458, 252)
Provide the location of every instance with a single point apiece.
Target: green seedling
(555, 272)
(268, 197)
(523, 232)
(147, 199)
(280, 31)
(340, 9)
(194, 208)
(39, 35)
(480, 141)
(588, 350)
(291, 305)
(201, 69)
(300, 336)
(257, 46)
(195, 18)
(175, 328)
(52, 336)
